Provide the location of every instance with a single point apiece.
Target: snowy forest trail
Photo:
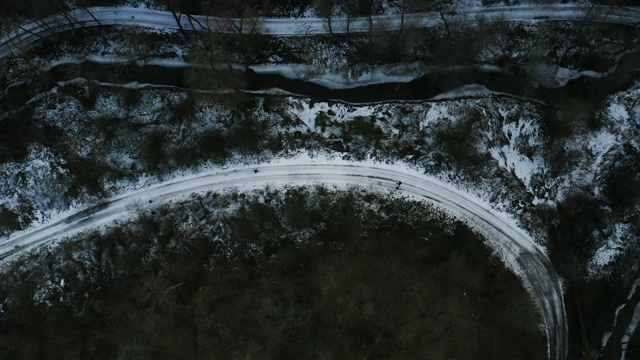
(28, 33)
(516, 248)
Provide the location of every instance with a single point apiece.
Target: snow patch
(436, 113)
(618, 112)
(520, 135)
(307, 111)
(610, 250)
(552, 76)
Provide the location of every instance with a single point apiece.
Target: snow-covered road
(517, 249)
(31, 32)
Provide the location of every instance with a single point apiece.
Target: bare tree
(351, 10)
(173, 6)
(407, 6)
(324, 8)
(18, 48)
(444, 8)
(367, 9)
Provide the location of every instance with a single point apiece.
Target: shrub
(622, 180)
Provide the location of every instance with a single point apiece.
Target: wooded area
(291, 274)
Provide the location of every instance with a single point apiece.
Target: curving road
(28, 33)
(517, 249)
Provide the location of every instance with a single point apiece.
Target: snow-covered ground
(621, 116)
(509, 131)
(332, 121)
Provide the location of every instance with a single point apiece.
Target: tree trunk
(177, 18)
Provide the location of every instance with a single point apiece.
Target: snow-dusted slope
(30, 32)
(517, 249)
